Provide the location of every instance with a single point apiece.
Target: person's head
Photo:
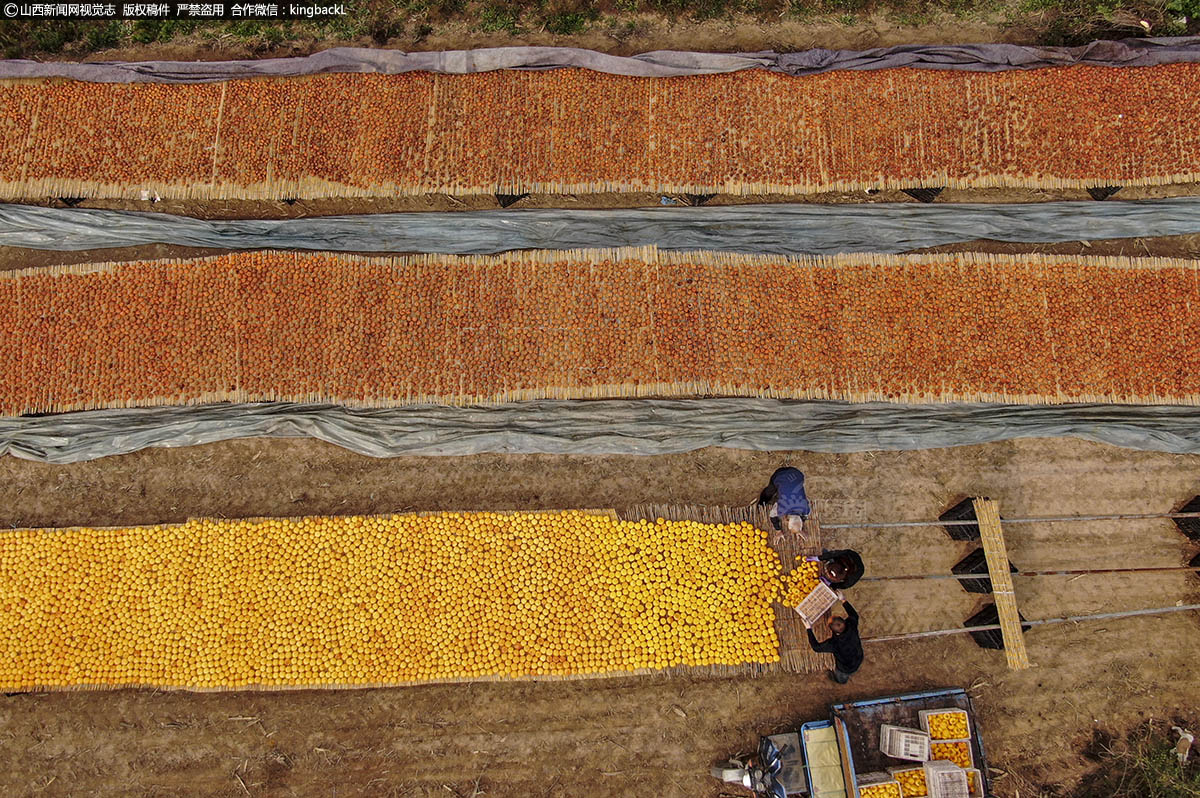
(793, 524)
(837, 625)
(837, 570)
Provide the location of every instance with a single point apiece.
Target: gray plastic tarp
(660, 63)
(765, 229)
(642, 427)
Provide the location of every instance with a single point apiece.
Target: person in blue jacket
(785, 496)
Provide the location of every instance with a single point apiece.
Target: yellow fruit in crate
(889, 790)
(948, 725)
(912, 782)
(958, 753)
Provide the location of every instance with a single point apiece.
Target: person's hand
(841, 596)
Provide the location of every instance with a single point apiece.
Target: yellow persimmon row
(381, 600)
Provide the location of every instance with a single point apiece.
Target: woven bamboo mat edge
(308, 188)
(745, 670)
(650, 254)
(258, 519)
(698, 389)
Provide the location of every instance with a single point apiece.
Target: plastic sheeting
(765, 229)
(599, 427)
(660, 63)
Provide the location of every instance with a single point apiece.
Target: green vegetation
(406, 22)
(570, 23)
(1142, 766)
(1068, 22)
(497, 17)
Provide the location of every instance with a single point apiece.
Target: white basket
(817, 603)
(901, 743)
(970, 751)
(926, 713)
(945, 779)
(978, 782)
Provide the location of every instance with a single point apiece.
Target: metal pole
(1077, 572)
(1069, 619)
(1046, 520)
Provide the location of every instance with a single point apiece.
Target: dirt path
(653, 736)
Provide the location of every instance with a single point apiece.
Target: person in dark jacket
(784, 496)
(845, 645)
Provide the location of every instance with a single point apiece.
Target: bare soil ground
(649, 736)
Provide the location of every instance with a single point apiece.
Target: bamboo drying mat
(795, 654)
(592, 324)
(574, 131)
(987, 512)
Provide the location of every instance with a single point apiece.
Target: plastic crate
(902, 775)
(822, 760)
(945, 780)
(926, 714)
(901, 743)
(974, 779)
(817, 603)
(934, 755)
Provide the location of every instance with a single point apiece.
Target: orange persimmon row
(577, 131)
(603, 323)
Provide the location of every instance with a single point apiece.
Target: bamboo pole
(1071, 572)
(1103, 616)
(1045, 520)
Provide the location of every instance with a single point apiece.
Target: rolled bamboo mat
(357, 601)
(313, 327)
(991, 534)
(577, 131)
(795, 653)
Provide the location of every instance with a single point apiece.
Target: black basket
(990, 638)
(1189, 526)
(963, 511)
(976, 563)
